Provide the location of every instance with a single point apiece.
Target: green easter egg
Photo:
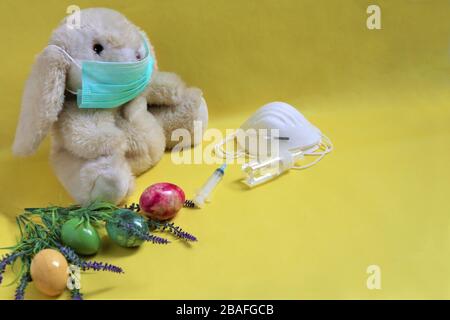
(120, 234)
(81, 236)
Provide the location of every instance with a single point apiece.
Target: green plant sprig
(40, 228)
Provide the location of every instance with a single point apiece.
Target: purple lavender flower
(100, 266)
(70, 255)
(184, 235)
(172, 228)
(6, 260)
(88, 265)
(20, 290)
(154, 239)
(131, 229)
(133, 207)
(76, 294)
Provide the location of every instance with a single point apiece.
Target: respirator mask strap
(326, 146)
(220, 152)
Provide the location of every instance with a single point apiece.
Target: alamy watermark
(373, 281)
(214, 147)
(73, 21)
(374, 19)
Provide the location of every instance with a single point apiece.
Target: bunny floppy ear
(42, 100)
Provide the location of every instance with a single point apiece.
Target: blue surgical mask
(107, 85)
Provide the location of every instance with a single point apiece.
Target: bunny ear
(42, 100)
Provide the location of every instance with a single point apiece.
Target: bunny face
(104, 35)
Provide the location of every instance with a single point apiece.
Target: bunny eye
(98, 48)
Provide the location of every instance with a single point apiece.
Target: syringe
(205, 191)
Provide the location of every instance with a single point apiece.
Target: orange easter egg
(49, 271)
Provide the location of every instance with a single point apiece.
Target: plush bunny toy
(97, 152)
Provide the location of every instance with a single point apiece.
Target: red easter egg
(162, 201)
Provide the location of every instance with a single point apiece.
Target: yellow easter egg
(49, 271)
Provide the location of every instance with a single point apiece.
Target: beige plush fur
(96, 153)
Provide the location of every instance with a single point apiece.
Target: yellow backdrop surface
(381, 198)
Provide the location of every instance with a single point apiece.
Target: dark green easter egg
(81, 236)
(120, 229)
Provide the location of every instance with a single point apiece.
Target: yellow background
(382, 197)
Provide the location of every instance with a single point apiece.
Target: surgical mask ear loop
(65, 52)
(70, 58)
(325, 144)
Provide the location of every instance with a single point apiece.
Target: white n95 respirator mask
(276, 138)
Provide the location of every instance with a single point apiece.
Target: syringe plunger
(206, 190)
